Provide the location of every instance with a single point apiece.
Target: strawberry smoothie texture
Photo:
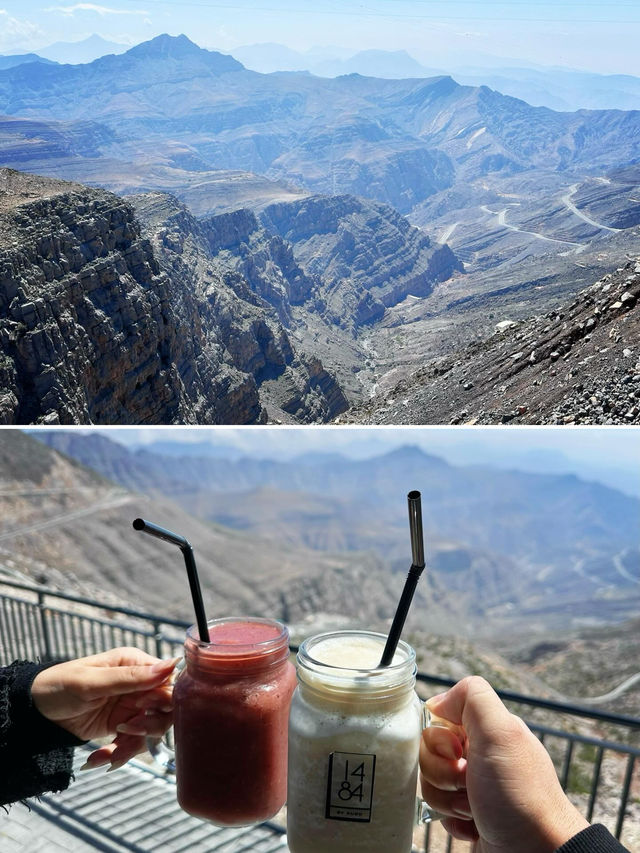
(231, 714)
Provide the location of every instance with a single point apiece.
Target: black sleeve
(35, 754)
(595, 839)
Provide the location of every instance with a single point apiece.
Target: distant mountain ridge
(561, 89)
(21, 59)
(77, 52)
(513, 549)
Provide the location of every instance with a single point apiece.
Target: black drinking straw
(189, 561)
(417, 565)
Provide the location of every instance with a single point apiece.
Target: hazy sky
(589, 35)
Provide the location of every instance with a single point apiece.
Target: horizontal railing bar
(97, 620)
(586, 740)
(547, 704)
(178, 623)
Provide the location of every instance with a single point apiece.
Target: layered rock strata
(246, 282)
(367, 255)
(95, 328)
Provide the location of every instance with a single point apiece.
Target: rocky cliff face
(88, 328)
(265, 260)
(365, 254)
(94, 329)
(245, 281)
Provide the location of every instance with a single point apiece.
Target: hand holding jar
(498, 785)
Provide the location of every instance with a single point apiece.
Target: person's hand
(123, 692)
(493, 778)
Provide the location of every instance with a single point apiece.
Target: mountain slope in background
(578, 364)
(557, 88)
(66, 526)
(20, 59)
(506, 548)
(77, 52)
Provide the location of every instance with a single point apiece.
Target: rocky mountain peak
(182, 48)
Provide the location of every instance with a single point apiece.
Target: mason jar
(231, 708)
(354, 739)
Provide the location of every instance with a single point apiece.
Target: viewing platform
(596, 752)
(132, 810)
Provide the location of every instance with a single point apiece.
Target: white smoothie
(354, 735)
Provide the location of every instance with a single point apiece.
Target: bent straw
(417, 565)
(190, 563)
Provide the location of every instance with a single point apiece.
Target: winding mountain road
(502, 221)
(566, 200)
(627, 684)
(112, 499)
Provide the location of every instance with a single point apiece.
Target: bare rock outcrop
(102, 324)
(245, 281)
(366, 255)
(579, 364)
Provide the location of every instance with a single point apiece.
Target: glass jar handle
(162, 754)
(424, 813)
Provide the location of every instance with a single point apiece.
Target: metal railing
(597, 768)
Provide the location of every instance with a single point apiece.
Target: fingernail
(91, 764)
(116, 765)
(447, 750)
(126, 729)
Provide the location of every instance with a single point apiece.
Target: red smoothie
(231, 708)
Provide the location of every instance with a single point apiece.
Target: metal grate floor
(134, 810)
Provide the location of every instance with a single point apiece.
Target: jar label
(350, 786)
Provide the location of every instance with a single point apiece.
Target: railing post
(42, 610)
(157, 634)
(625, 795)
(564, 780)
(595, 781)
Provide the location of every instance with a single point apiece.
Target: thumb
(474, 704)
(100, 681)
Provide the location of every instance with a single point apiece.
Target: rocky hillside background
(578, 364)
(114, 314)
(540, 552)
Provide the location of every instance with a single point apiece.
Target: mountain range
(505, 548)
(563, 89)
(348, 134)
(515, 209)
(68, 528)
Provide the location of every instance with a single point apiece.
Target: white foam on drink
(356, 652)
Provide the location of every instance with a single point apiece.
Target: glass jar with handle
(231, 707)
(354, 739)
